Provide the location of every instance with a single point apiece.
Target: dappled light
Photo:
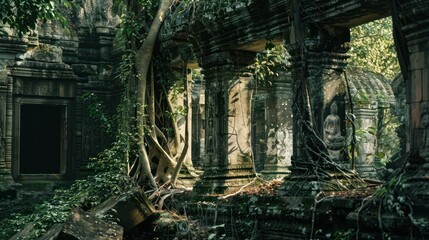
(207, 119)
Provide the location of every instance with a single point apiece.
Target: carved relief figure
(2, 126)
(332, 132)
(271, 145)
(284, 145)
(424, 126)
(239, 111)
(280, 139)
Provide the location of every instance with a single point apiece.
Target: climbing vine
(269, 62)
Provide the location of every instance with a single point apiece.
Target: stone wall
(54, 66)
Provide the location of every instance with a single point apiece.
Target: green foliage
(110, 179)
(384, 135)
(96, 110)
(373, 48)
(392, 195)
(268, 62)
(343, 235)
(22, 15)
(388, 140)
(208, 7)
(136, 17)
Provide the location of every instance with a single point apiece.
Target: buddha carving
(424, 126)
(332, 132)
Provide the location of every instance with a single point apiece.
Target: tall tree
(143, 61)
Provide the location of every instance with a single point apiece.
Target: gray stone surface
(82, 225)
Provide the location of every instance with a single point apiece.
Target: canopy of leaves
(373, 48)
(22, 15)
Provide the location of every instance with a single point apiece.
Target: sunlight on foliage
(373, 48)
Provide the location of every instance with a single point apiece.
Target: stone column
(9, 47)
(412, 31)
(198, 123)
(279, 127)
(228, 164)
(365, 120)
(318, 58)
(258, 126)
(5, 157)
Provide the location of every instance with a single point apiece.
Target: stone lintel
(44, 87)
(51, 74)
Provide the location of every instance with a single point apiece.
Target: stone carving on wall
(2, 127)
(94, 13)
(284, 145)
(332, 133)
(424, 126)
(271, 144)
(44, 53)
(211, 158)
(279, 145)
(239, 146)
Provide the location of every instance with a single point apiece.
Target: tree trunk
(183, 155)
(142, 65)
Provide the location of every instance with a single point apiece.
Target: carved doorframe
(66, 138)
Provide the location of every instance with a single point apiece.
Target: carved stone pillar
(259, 144)
(228, 164)
(279, 127)
(411, 27)
(366, 148)
(198, 128)
(5, 134)
(319, 55)
(9, 48)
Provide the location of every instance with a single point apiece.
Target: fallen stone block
(52, 233)
(131, 209)
(82, 225)
(25, 232)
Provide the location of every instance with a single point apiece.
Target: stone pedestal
(228, 164)
(279, 127)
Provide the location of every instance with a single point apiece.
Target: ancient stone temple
(45, 132)
(298, 129)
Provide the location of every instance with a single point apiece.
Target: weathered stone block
(82, 225)
(417, 60)
(45, 53)
(52, 233)
(130, 209)
(416, 85)
(84, 69)
(425, 82)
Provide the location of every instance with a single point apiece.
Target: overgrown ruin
(298, 126)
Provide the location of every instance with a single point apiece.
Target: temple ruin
(296, 129)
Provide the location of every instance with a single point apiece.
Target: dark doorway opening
(40, 139)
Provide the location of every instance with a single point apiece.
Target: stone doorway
(40, 134)
(41, 139)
